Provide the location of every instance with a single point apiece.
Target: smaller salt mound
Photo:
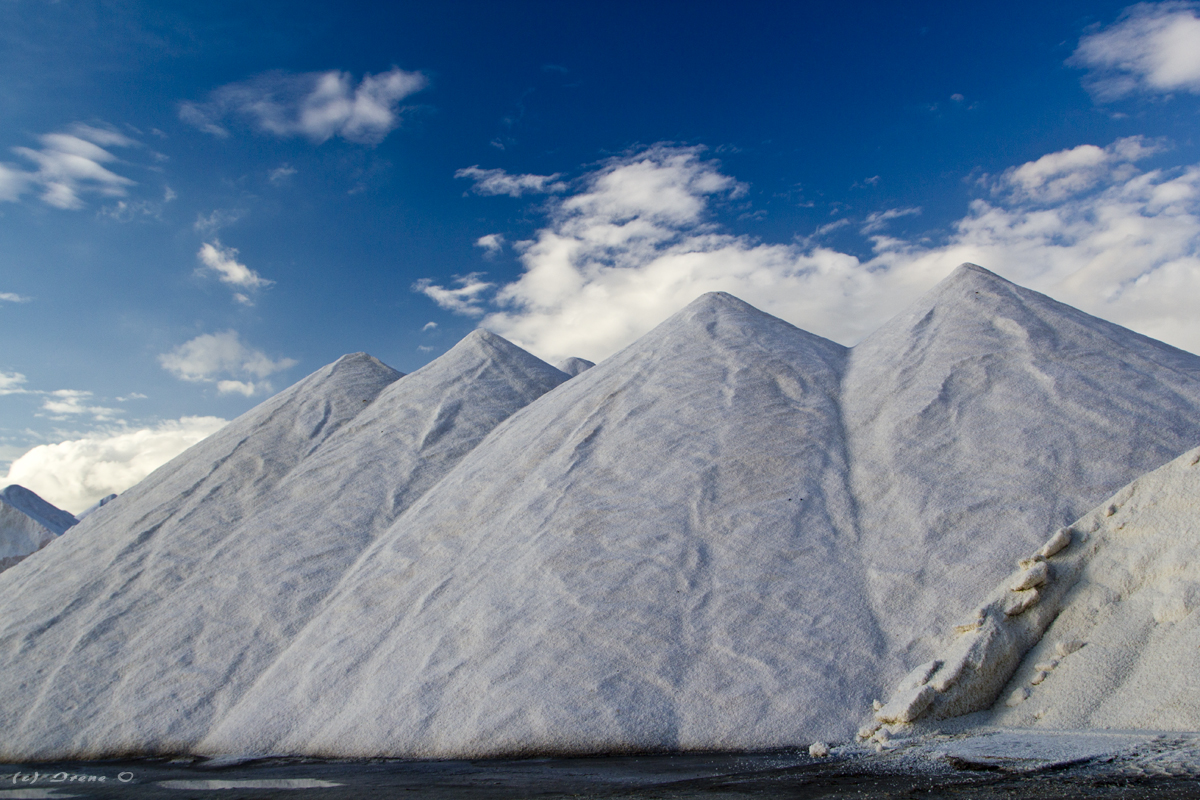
(20, 535)
(1125, 650)
(46, 514)
(96, 506)
(573, 365)
(1094, 630)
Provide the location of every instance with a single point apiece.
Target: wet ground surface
(1148, 768)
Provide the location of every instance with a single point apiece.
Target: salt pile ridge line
(733, 534)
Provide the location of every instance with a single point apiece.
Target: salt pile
(732, 534)
(27, 524)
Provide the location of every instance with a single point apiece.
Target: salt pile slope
(658, 555)
(32, 505)
(27, 524)
(574, 365)
(79, 616)
(1124, 651)
(983, 417)
(260, 583)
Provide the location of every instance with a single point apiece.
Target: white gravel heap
(27, 524)
(731, 534)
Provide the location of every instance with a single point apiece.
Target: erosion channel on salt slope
(619, 566)
(157, 619)
(731, 534)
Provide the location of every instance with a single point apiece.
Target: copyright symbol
(125, 777)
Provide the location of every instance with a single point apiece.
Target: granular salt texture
(79, 619)
(660, 554)
(1124, 652)
(43, 512)
(22, 533)
(979, 419)
(267, 572)
(574, 365)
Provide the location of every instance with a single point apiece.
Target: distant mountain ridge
(731, 534)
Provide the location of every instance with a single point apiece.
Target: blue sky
(198, 206)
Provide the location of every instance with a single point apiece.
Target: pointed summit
(251, 581)
(603, 569)
(44, 513)
(26, 522)
(574, 365)
(990, 411)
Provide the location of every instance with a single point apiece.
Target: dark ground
(784, 774)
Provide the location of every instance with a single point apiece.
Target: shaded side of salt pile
(658, 555)
(27, 524)
(979, 419)
(33, 506)
(1095, 629)
(75, 613)
(268, 572)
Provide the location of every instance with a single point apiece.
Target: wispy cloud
(466, 299)
(223, 262)
(1153, 48)
(9, 297)
(222, 359)
(638, 241)
(878, 220)
(497, 181)
(66, 403)
(209, 225)
(315, 105)
(491, 244)
(12, 383)
(68, 165)
(281, 173)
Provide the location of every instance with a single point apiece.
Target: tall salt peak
(983, 416)
(34, 506)
(261, 581)
(605, 569)
(71, 609)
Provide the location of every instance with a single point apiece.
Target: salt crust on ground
(732, 534)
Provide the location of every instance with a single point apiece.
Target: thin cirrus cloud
(1154, 48)
(314, 105)
(638, 241)
(67, 166)
(12, 297)
(222, 261)
(76, 473)
(497, 181)
(222, 359)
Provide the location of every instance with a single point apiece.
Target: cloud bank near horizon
(638, 241)
(76, 473)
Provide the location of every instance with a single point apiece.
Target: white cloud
(11, 383)
(68, 165)
(223, 261)
(221, 358)
(9, 297)
(497, 181)
(1153, 48)
(75, 474)
(66, 403)
(878, 220)
(281, 174)
(466, 299)
(637, 243)
(492, 244)
(218, 219)
(1056, 176)
(316, 105)
(429, 326)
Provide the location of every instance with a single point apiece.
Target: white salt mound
(27, 524)
(574, 365)
(96, 506)
(732, 534)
